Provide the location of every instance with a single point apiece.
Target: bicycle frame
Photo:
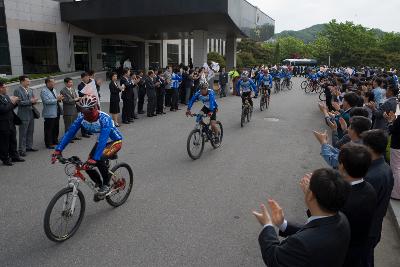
(202, 126)
(75, 178)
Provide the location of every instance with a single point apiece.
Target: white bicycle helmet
(87, 102)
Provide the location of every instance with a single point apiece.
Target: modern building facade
(44, 36)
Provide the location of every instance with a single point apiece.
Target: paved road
(181, 212)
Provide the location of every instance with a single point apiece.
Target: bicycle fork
(74, 197)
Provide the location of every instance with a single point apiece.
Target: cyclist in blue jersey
(207, 97)
(246, 86)
(266, 81)
(96, 122)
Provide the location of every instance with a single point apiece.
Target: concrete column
(180, 52)
(223, 47)
(146, 56)
(96, 54)
(164, 53)
(186, 60)
(212, 45)
(191, 48)
(14, 42)
(231, 45)
(200, 45)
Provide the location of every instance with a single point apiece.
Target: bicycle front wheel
(304, 85)
(195, 144)
(249, 113)
(262, 102)
(122, 183)
(290, 85)
(62, 220)
(243, 117)
(322, 96)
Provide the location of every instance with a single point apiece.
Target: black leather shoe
(7, 163)
(32, 149)
(17, 160)
(136, 117)
(149, 115)
(130, 120)
(77, 138)
(141, 112)
(22, 154)
(86, 136)
(50, 147)
(126, 122)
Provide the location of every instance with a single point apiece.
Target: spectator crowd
(347, 201)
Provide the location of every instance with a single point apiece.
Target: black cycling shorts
(206, 110)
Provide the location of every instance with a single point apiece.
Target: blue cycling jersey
(208, 100)
(104, 127)
(265, 80)
(176, 80)
(246, 86)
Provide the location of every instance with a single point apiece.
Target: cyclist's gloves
(209, 114)
(91, 162)
(55, 156)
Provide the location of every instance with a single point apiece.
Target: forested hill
(310, 34)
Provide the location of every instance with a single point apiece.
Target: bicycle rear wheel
(195, 144)
(221, 135)
(122, 183)
(60, 207)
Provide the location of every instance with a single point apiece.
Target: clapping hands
(391, 117)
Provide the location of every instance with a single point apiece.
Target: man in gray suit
(25, 113)
(51, 113)
(70, 112)
(389, 105)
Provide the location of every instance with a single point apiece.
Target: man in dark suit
(8, 133)
(70, 113)
(150, 84)
(323, 241)
(85, 80)
(380, 176)
(354, 162)
(127, 97)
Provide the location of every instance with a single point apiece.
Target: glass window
(154, 55)
(173, 54)
(118, 51)
(39, 51)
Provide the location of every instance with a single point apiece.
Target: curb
(394, 209)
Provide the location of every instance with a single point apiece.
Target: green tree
(245, 59)
(216, 57)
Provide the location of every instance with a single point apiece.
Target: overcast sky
(300, 14)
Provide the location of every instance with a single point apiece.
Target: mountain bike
(202, 133)
(247, 112)
(287, 83)
(66, 209)
(264, 98)
(310, 86)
